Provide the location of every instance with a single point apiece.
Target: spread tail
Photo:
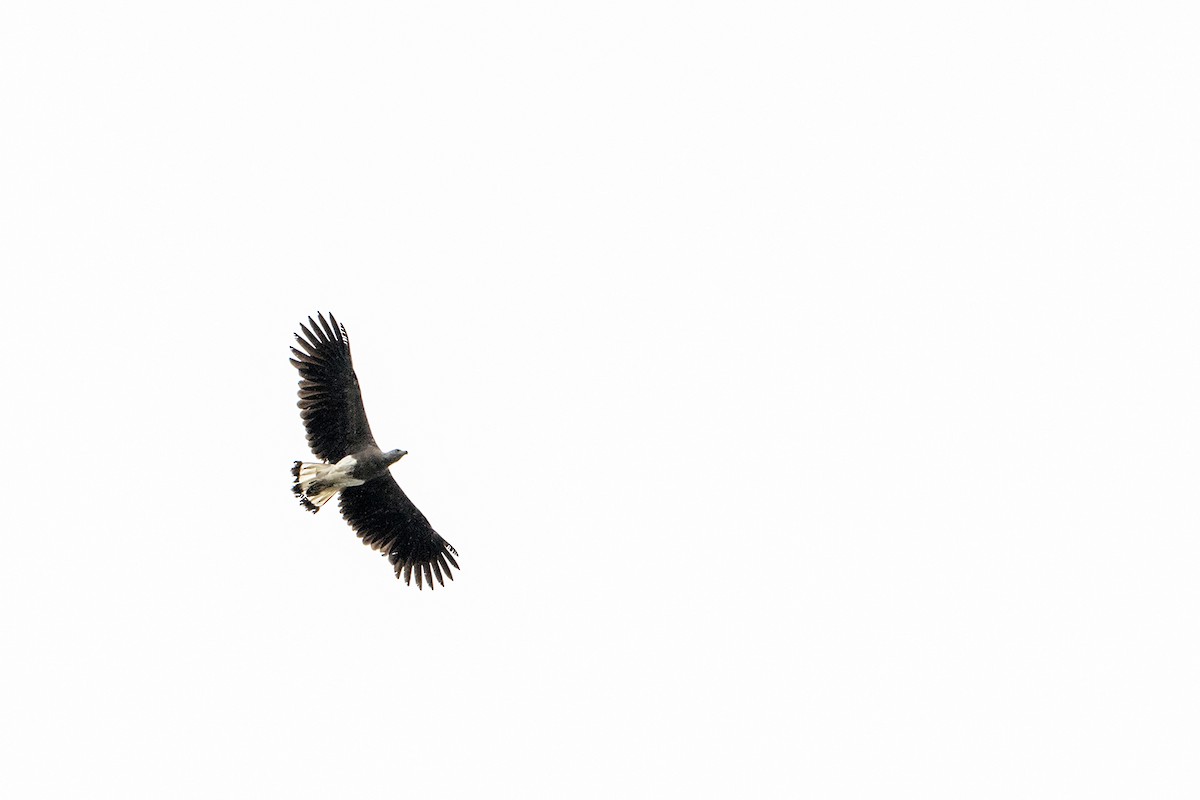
(313, 485)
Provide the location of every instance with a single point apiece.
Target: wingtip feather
(329, 335)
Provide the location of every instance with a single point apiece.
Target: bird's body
(353, 465)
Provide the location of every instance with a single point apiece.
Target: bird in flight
(353, 465)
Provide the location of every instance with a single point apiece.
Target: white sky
(810, 391)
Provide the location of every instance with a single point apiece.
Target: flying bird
(353, 466)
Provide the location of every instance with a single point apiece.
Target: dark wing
(382, 515)
(330, 401)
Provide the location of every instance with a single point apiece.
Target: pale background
(809, 389)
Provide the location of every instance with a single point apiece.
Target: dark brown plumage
(371, 501)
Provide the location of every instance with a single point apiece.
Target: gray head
(392, 456)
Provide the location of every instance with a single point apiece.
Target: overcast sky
(810, 392)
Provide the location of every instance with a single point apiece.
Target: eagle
(353, 466)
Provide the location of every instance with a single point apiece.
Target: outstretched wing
(330, 401)
(382, 515)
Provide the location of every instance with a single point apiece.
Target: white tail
(316, 484)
